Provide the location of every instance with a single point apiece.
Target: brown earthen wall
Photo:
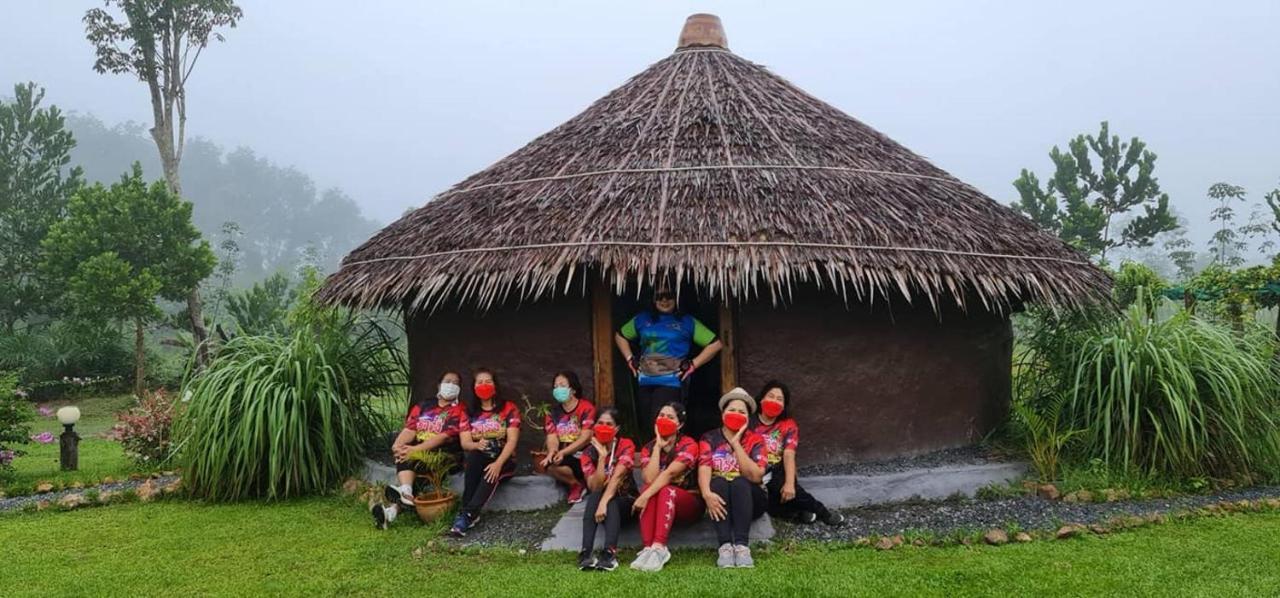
(878, 383)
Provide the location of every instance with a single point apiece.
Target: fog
(395, 101)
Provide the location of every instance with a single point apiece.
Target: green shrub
(279, 416)
(1131, 278)
(15, 420)
(1182, 396)
(55, 361)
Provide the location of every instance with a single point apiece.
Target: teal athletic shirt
(666, 335)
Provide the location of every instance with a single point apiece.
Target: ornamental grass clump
(1181, 396)
(279, 416)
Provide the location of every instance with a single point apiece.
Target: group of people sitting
(734, 473)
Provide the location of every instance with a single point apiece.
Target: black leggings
(649, 401)
(616, 513)
(802, 503)
(477, 491)
(744, 502)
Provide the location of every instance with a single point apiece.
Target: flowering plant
(43, 437)
(15, 415)
(145, 430)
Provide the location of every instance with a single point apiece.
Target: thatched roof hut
(762, 200)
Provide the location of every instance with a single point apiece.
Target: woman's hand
(640, 503)
(556, 457)
(484, 445)
(399, 451)
(735, 440)
(546, 461)
(492, 471)
(715, 506)
(659, 442)
(788, 491)
(602, 511)
(601, 449)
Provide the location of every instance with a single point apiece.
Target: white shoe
(659, 558)
(641, 558)
(725, 558)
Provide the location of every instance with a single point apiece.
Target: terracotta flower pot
(430, 507)
(538, 456)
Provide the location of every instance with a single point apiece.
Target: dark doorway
(700, 392)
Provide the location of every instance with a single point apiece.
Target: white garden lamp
(69, 442)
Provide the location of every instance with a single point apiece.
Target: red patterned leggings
(669, 506)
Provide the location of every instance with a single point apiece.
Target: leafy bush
(145, 430)
(50, 359)
(1134, 276)
(1045, 438)
(435, 467)
(15, 418)
(263, 308)
(278, 416)
(1179, 398)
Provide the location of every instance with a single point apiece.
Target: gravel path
(524, 529)
(1029, 512)
(17, 502)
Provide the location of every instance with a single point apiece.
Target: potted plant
(436, 498)
(535, 416)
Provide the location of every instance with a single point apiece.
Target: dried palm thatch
(710, 168)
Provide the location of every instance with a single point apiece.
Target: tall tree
(1225, 244)
(35, 184)
(1081, 201)
(1273, 201)
(121, 248)
(160, 42)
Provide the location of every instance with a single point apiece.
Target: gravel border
(520, 529)
(1028, 512)
(18, 502)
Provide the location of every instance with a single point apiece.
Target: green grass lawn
(99, 457)
(327, 546)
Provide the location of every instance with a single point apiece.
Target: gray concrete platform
(844, 491)
(521, 493)
(567, 534)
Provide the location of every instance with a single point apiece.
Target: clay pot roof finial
(702, 30)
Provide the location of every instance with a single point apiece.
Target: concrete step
(520, 493)
(567, 534)
(844, 491)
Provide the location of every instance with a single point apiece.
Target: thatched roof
(711, 168)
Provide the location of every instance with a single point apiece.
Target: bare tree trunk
(198, 331)
(139, 359)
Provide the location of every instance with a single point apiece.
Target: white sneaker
(742, 557)
(659, 558)
(725, 559)
(642, 558)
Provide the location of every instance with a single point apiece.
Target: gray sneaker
(642, 559)
(742, 556)
(658, 558)
(726, 559)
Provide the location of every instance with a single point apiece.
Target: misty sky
(396, 101)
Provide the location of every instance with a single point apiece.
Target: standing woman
(731, 465)
(666, 499)
(489, 434)
(568, 428)
(781, 437)
(607, 464)
(430, 425)
(666, 338)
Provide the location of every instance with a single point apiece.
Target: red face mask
(486, 390)
(734, 420)
(771, 408)
(666, 427)
(605, 433)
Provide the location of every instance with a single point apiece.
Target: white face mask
(449, 391)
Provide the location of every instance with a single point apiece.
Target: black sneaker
(607, 559)
(379, 517)
(461, 524)
(832, 518)
(806, 517)
(586, 562)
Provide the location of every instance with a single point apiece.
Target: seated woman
(607, 465)
(781, 437)
(431, 424)
(666, 463)
(731, 465)
(489, 434)
(568, 428)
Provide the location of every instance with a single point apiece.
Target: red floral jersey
(492, 425)
(569, 425)
(428, 419)
(621, 454)
(714, 452)
(685, 451)
(779, 436)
